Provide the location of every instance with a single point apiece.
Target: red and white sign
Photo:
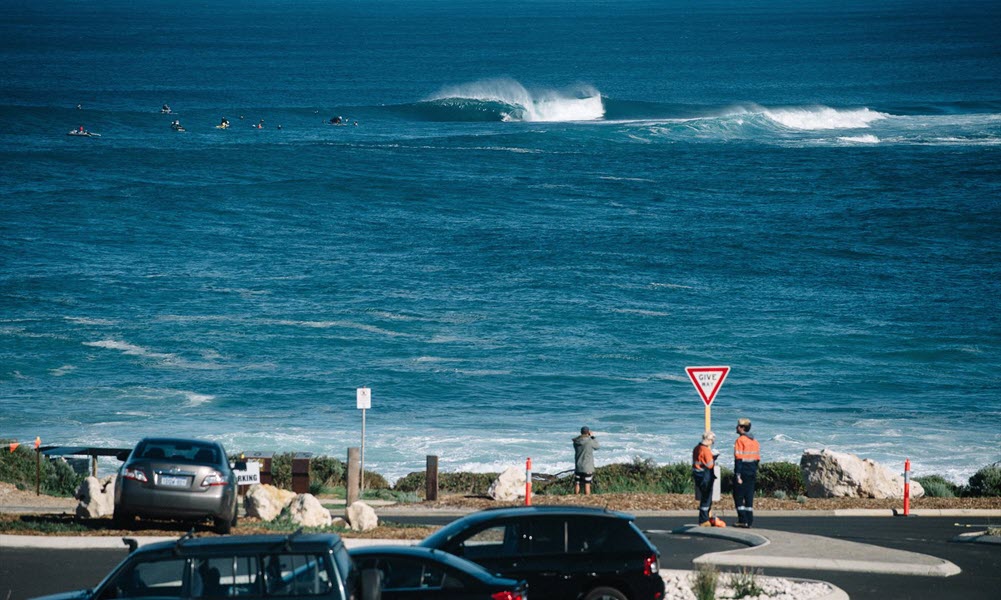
(708, 381)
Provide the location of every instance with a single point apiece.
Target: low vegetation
(705, 582)
(18, 467)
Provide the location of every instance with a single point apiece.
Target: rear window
(180, 451)
(225, 577)
(152, 578)
(604, 535)
(296, 575)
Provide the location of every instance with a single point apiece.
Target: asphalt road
(26, 573)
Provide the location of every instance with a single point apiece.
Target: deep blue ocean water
(546, 211)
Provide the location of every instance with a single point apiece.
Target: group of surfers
(223, 124)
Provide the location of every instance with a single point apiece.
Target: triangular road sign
(707, 380)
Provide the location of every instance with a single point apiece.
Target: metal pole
(362, 450)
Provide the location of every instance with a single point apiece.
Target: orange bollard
(907, 487)
(528, 481)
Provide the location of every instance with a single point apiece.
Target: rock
(829, 474)
(509, 485)
(339, 522)
(265, 502)
(361, 517)
(307, 511)
(96, 496)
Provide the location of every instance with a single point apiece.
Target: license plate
(172, 481)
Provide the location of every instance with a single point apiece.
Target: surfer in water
(176, 125)
(224, 124)
(165, 110)
(336, 121)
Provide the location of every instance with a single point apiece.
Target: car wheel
(222, 526)
(123, 519)
(605, 593)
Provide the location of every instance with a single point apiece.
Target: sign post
(364, 403)
(708, 381)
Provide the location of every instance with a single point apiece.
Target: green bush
(326, 471)
(936, 486)
(705, 581)
(986, 481)
(780, 477)
(56, 477)
(471, 484)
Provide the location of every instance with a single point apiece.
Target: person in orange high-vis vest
(702, 472)
(746, 457)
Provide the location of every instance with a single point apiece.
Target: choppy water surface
(545, 212)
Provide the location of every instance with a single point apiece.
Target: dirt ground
(55, 516)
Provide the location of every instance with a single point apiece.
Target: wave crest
(508, 100)
(823, 117)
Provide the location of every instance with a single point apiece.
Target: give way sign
(707, 380)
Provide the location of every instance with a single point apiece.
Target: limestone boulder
(265, 502)
(361, 517)
(96, 496)
(830, 474)
(307, 511)
(509, 485)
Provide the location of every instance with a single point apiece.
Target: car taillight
(213, 478)
(506, 596)
(650, 565)
(136, 474)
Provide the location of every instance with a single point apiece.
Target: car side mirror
(371, 584)
(123, 455)
(240, 465)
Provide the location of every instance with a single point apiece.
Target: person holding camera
(584, 446)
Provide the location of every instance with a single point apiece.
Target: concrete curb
(391, 511)
(65, 542)
(748, 558)
(977, 537)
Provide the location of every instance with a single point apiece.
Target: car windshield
(178, 451)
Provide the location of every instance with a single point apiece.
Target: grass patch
(705, 582)
(745, 584)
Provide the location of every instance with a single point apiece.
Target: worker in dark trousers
(746, 457)
(702, 471)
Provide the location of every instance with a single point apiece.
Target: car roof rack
(290, 537)
(180, 541)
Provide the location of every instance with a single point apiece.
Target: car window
(225, 577)
(179, 451)
(548, 535)
(603, 535)
(296, 574)
(499, 540)
(402, 573)
(150, 578)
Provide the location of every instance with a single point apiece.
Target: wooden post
(354, 462)
(431, 479)
(93, 465)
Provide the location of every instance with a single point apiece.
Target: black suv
(563, 552)
(297, 566)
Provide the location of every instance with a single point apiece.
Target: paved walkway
(782, 549)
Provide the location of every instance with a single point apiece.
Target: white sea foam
(89, 321)
(341, 324)
(676, 286)
(196, 399)
(63, 370)
(823, 117)
(164, 358)
(641, 312)
(581, 104)
(860, 139)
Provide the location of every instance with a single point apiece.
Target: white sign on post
(364, 398)
(249, 476)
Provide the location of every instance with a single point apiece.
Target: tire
(605, 593)
(123, 519)
(222, 526)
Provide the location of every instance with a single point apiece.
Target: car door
(411, 578)
(497, 546)
(549, 572)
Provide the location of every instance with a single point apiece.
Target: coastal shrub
(937, 486)
(326, 471)
(780, 476)
(56, 476)
(779, 495)
(705, 581)
(986, 481)
(470, 484)
(677, 479)
(745, 584)
(639, 476)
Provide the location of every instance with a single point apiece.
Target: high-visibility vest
(746, 449)
(702, 458)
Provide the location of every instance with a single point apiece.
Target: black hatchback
(563, 552)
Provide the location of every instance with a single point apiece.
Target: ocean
(538, 214)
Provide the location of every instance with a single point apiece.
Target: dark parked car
(411, 573)
(177, 479)
(563, 552)
(297, 566)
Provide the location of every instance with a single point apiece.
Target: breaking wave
(824, 117)
(508, 100)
